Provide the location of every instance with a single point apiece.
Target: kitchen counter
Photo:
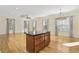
(36, 42)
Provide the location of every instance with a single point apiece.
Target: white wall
(18, 24)
(2, 25)
(52, 18)
(75, 15)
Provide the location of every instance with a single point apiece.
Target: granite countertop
(37, 33)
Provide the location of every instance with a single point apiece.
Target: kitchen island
(37, 42)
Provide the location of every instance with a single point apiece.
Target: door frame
(8, 26)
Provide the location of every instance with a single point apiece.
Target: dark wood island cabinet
(35, 43)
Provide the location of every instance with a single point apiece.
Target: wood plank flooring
(17, 43)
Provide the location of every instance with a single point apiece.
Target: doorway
(10, 26)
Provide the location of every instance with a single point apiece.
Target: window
(64, 26)
(45, 25)
(26, 24)
(34, 27)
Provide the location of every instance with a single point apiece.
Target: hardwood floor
(55, 45)
(17, 44)
(13, 43)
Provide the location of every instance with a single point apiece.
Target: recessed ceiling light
(17, 8)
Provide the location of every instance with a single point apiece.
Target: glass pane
(45, 25)
(26, 26)
(64, 26)
(34, 27)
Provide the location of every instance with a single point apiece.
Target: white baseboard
(75, 36)
(10, 33)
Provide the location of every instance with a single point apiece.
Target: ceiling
(34, 10)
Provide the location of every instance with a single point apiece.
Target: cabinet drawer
(39, 37)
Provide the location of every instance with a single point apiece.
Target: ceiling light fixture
(17, 8)
(26, 16)
(60, 13)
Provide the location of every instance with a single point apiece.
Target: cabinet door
(47, 38)
(39, 46)
(39, 42)
(29, 43)
(39, 39)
